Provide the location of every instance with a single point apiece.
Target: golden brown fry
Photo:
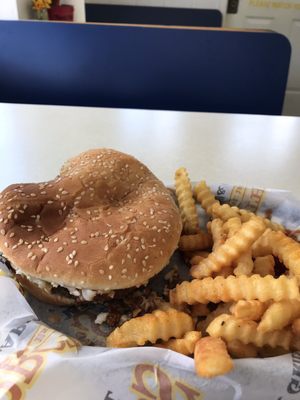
(235, 288)
(199, 241)
(264, 266)
(296, 327)
(230, 328)
(186, 202)
(246, 215)
(218, 233)
(230, 250)
(151, 327)
(279, 315)
(198, 256)
(222, 308)
(244, 265)
(262, 246)
(287, 250)
(211, 357)
(185, 346)
(205, 197)
(248, 309)
(225, 272)
(224, 211)
(237, 349)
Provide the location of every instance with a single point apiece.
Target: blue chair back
(144, 15)
(142, 67)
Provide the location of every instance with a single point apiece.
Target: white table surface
(255, 151)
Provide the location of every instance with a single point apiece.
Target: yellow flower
(40, 4)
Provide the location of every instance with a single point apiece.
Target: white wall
(8, 9)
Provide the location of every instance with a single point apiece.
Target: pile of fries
(243, 300)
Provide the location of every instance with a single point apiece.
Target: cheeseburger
(104, 224)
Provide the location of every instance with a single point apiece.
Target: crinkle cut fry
(185, 345)
(198, 241)
(186, 201)
(249, 309)
(279, 315)
(234, 246)
(230, 328)
(264, 265)
(235, 288)
(287, 250)
(205, 197)
(237, 349)
(151, 327)
(211, 357)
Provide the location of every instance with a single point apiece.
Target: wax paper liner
(42, 358)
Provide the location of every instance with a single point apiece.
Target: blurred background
(279, 16)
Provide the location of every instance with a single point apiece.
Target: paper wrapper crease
(43, 351)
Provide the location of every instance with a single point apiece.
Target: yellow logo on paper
(166, 387)
(19, 371)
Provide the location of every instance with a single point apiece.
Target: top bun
(105, 223)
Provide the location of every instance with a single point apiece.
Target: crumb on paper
(101, 318)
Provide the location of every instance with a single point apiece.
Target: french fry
(224, 211)
(199, 241)
(205, 197)
(244, 264)
(230, 328)
(225, 272)
(287, 250)
(279, 315)
(222, 308)
(296, 327)
(185, 346)
(264, 265)
(237, 349)
(217, 232)
(211, 358)
(230, 250)
(248, 309)
(186, 202)
(151, 327)
(246, 215)
(234, 288)
(262, 246)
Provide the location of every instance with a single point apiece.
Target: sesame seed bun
(104, 223)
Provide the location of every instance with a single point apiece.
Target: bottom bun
(44, 295)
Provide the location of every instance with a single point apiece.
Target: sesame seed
(144, 263)
(55, 239)
(74, 241)
(110, 277)
(83, 242)
(33, 257)
(64, 192)
(30, 254)
(101, 272)
(47, 268)
(55, 275)
(60, 249)
(76, 263)
(2, 232)
(50, 202)
(70, 262)
(6, 244)
(32, 194)
(43, 192)
(14, 246)
(74, 253)
(21, 241)
(123, 261)
(111, 267)
(12, 234)
(45, 250)
(106, 247)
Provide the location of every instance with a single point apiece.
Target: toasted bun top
(106, 222)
